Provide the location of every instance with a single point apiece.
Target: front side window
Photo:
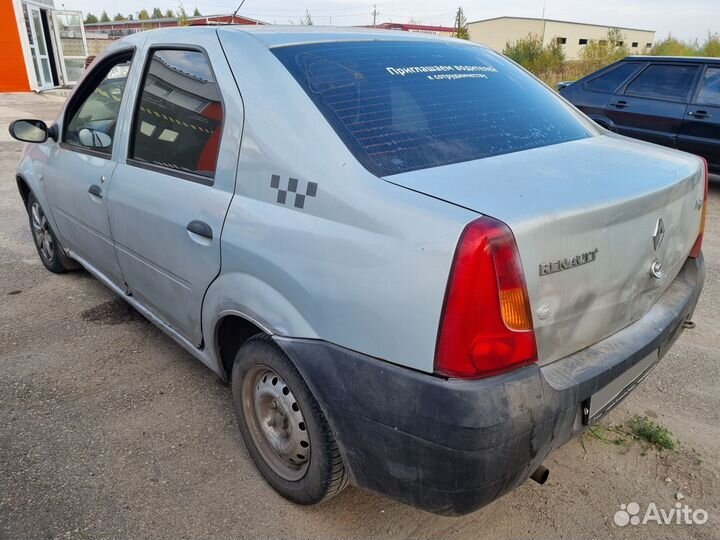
(610, 80)
(179, 119)
(405, 105)
(661, 81)
(709, 93)
(92, 124)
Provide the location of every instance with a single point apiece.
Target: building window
(582, 42)
(648, 45)
(561, 40)
(634, 44)
(619, 43)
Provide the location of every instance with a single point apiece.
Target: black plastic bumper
(452, 446)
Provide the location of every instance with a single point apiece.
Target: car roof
(679, 59)
(280, 36)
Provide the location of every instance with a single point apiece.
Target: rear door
(652, 106)
(592, 94)
(700, 131)
(170, 195)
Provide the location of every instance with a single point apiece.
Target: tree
(182, 15)
(90, 19)
(599, 53)
(197, 13)
(671, 46)
(307, 19)
(104, 17)
(537, 58)
(169, 14)
(143, 15)
(461, 30)
(156, 13)
(130, 17)
(711, 46)
(119, 17)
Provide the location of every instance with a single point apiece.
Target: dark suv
(673, 101)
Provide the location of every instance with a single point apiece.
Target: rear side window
(709, 93)
(404, 105)
(610, 80)
(660, 81)
(179, 119)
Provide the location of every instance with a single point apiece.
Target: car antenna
(232, 20)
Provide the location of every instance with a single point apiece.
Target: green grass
(644, 429)
(638, 428)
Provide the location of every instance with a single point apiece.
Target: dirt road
(108, 429)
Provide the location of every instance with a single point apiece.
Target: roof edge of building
(564, 22)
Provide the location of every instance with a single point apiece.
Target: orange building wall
(13, 77)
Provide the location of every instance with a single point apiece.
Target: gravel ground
(109, 430)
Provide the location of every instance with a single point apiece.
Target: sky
(685, 19)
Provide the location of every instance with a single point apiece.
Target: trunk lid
(585, 215)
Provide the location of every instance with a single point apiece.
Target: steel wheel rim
(41, 232)
(276, 422)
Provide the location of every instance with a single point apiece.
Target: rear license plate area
(605, 399)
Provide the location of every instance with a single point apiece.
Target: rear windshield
(406, 105)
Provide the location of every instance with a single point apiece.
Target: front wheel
(51, 253)
(282, 425)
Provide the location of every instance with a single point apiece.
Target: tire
(49, 249)
(293, 448)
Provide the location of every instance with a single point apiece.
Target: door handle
(699, 114)
(200, 228)
(95, 190)
(620, 104)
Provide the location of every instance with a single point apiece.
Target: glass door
(71, 43)
(38, 46)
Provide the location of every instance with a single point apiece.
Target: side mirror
(94, 139)
(31, 131)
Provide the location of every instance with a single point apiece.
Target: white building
(497, 32)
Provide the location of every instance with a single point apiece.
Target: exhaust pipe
(540, 475)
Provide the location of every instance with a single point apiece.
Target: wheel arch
(254, 306)
(23, 188)
(232, 330)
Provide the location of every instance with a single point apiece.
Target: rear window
(402, 106)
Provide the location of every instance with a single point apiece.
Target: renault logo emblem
(659, 234)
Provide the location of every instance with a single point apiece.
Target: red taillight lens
(697, 247)
(486, 326)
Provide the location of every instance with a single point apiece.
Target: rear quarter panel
(363, 264)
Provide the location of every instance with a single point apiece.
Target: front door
(169, 199)
(38, 46)
(83, 165)
(700, 131)
(651, 106)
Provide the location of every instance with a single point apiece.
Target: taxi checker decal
(292, 187)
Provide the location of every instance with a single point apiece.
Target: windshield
(406, 105)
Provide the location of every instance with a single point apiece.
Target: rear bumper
(452, 446)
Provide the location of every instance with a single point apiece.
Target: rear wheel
(282, 425)
(48, 247)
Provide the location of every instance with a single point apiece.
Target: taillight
(697, 247)
(486, 325)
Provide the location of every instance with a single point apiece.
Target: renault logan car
(673, 101)
(420, 270)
